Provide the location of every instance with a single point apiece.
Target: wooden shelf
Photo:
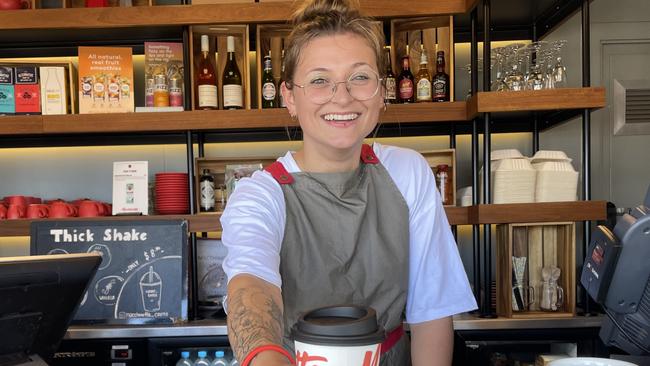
(457, 215)
(481, 214)
(235, 13)
(197, 223)
(425, 112)
(21, 125)
(206, 120)
(536, 100)
(538, 212)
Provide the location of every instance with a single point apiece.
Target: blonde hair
(317, 18)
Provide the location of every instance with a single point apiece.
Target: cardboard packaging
(53, 90)
(7, 101)
(105, 80)
(26, 91)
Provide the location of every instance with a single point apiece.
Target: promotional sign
(130, 188)
(163, 65)
(105, 80)
(143, 274)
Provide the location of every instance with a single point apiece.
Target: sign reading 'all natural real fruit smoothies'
(105, 80)
(142, 277)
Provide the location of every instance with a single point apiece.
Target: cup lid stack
(172, 193)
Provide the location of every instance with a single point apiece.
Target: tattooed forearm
(254, 314)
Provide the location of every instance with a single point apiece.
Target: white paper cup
(338, 336)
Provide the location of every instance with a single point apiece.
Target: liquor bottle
(423, 83)
(269, 90)
(207, 191)
(405, 82)
(440, 80)
(206, 79)
(281, 101)
(391, 83)
(232, 85)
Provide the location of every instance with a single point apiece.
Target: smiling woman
(365, 221)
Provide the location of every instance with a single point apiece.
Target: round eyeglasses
(362, 85)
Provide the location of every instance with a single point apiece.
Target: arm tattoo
(254, 319)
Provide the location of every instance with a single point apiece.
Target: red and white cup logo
(320, 355)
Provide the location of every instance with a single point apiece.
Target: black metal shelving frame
(546, 21)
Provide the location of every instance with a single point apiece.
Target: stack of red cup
(172, 193)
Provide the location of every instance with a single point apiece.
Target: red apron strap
(368, 155)
(392, 338)
(279, 173)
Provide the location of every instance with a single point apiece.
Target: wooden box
(448, 157)
(270, 38)
(218, 35)
(543, 244)
(217, 167)
(434, 33)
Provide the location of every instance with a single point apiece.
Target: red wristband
(268, 347)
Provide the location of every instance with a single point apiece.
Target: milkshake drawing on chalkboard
(151, 290)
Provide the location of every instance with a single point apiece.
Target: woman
(338, 221)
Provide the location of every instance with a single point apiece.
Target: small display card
(130, 188)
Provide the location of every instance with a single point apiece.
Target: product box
(105, 80)
(7, 101)
(53, 90)
(26, 91)
(130, 188)
(163, 65)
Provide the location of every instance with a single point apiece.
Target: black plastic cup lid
(347, 325)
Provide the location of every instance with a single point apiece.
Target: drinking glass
(559, 74)
(498, 83)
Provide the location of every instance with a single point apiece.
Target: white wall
(620, 48)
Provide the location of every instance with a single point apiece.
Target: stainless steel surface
(217, 327)
(191, 329)
(470, 322)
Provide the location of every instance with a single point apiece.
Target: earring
(385, 106)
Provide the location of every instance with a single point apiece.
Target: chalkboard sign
(143, 274)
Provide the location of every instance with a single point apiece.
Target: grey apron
(346, 241)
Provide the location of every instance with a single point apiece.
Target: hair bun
(313, 9)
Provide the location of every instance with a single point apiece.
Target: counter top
(217, 327)
(208, 327)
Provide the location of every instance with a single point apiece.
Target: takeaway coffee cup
(338, 336)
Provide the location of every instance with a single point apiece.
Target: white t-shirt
(254, 221)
